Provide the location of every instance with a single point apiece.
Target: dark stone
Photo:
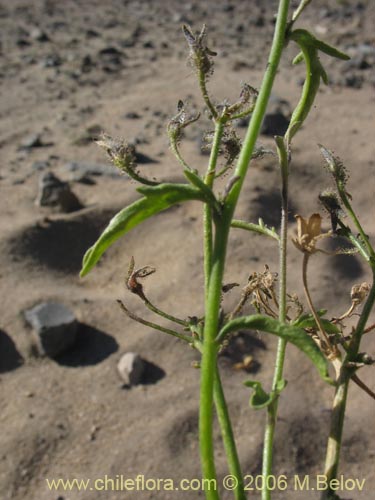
(54, 328)
(88, 169)
(55, 193)
(10, 358)
(353, 80)
(132, 115)
(51, 61)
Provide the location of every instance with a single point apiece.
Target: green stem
(358, 225)
(228, 438)
(154, 326)
(163, 314)
(257, 228)
(213, 301)
(203, 86)
(209, 357)
(281, 346)
(340, 398)
(207, 214)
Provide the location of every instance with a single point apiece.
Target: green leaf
(260, 398)
(156, 199)
(310, 47)
(308, 321)
(260, 228)
(293, 334)
(198, 182)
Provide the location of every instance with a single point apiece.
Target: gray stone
(31, 141)
(131, 368)
(54, 328)
(57, 194)
(94, 169)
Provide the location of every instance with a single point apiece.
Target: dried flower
(359, 293)
(308, 233)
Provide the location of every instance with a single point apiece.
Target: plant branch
(134, 317)
(281, 346)
(228, 438)
(213, 297)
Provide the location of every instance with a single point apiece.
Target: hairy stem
(281, 346)
(209, 357)
(228, 438)
(207, 214)
(154, 326)
(340, 398)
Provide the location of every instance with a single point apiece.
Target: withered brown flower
(309, 231)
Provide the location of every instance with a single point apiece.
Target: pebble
(131, 368)
(57, 194)
(51, 61)
(39, 35)
(40, 165)
(79, 169)
(32, 141)
(54, 327)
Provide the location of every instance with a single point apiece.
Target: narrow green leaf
(256, 228)
(290, 333)
(329, 50)
(156, 199)
(308, 321)
(198, 182)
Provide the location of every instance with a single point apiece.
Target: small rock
(40, 165)
(92, 133)
(111, 59)
(131, 368)
(39, 35)
(51, 61)
(32, 141)
(354, 81)
(132, 115)
(87, 64)
(55, 193)
(54, 327)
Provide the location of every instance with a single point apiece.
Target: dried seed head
(121, 153)
(180, 121)
(248, 95)
(231, 146)
(200, 55)
(330, 201)
(335, 166)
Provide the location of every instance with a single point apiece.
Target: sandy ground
(71, 417)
